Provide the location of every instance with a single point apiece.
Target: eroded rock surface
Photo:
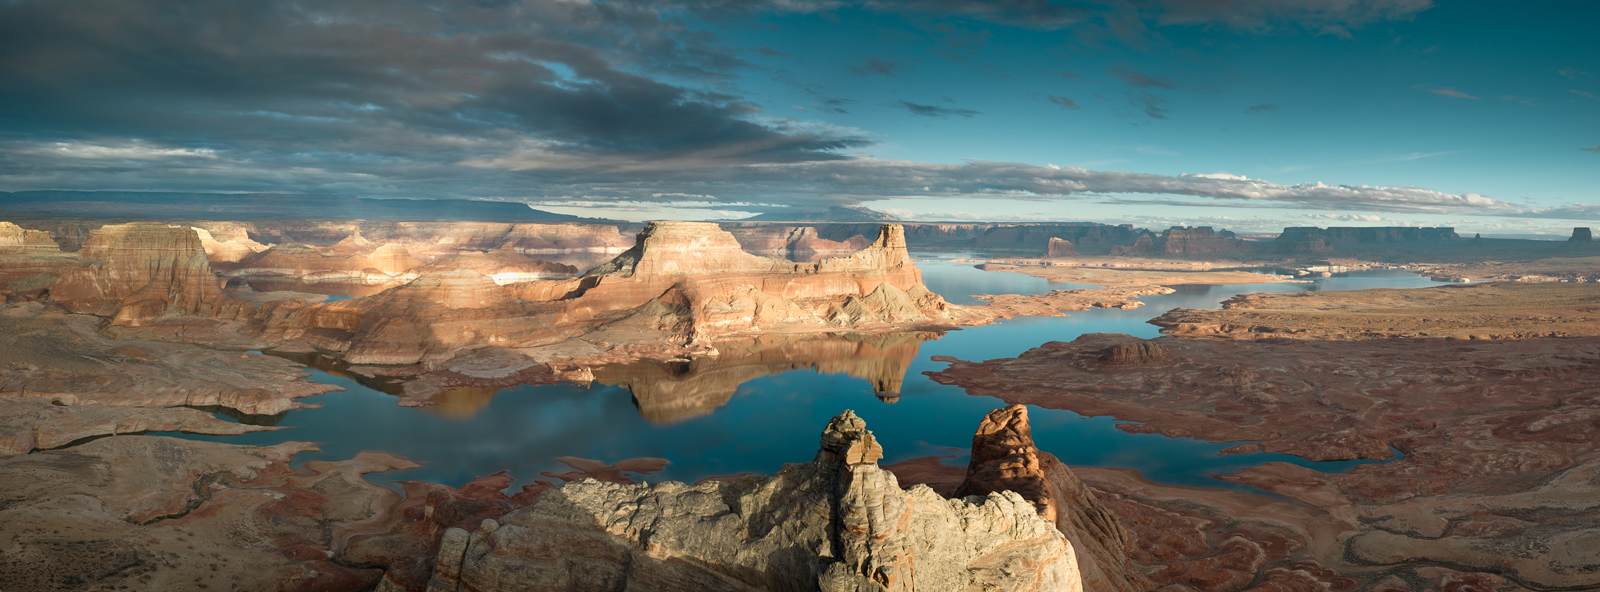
(1499, 443)
(838, 523)
(155, 513)
(1497, 311)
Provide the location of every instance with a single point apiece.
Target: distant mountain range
(832, 214)
(268, 206)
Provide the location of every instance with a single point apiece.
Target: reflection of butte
(667, 392)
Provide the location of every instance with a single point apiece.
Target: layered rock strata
(684, 283)
(135, 273)
(62, 380)
(1035, 238)
(15, 238)
(837, 523)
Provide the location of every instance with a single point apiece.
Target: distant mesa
(1582, 240)
(832, 214)
(270, 206)
(1182, 242)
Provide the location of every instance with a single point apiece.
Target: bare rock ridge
(837, 524)
(683, 282)
(1004, 458)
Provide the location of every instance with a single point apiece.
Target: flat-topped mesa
(1582, 240)
(836, 524)
(144, 270)
(1366, 234)
(1004, 458)
(15, 238)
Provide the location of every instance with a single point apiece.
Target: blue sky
(1475, 114)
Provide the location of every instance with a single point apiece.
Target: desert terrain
(1473, 399)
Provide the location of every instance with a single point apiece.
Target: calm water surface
(775, 408)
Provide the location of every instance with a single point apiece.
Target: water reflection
(762, 403)
(668, 392)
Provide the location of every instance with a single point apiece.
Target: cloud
(1578, 211)
(1323, 16)
(1351, 218)
(1572, 73)
(1412, 156)
(1146, 106)
(379, 89)
(876, 67)
(934, 110)
(1584, 94)
(1138, 80)
(1261, 109)
(1451, 92)
(1159, 151)
(1591, 150)
(1062, 101)
(1068, 75)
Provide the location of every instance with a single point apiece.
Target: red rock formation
(1060, 247)
(1035, 238)
(1005, 458)
(141, 271)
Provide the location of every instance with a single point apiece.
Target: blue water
(776, 418)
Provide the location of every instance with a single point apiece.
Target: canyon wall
(1311, 239)
(1089, 239)
(136, 272)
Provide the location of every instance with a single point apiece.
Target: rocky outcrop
(838, 523)
(683, 284)
(1134, 354)
(228, 244)
(1060, 247)
(15, 238)
(1143, 246)
(1004, 458)
(141, 271)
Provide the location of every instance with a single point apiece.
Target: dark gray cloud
(1261, 109)
(1140, 80)
(1062, 101)
(873, 66)
(379, 87)
(1144, 106)
(1591, 150)
(934, 110)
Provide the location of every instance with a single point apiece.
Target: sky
(1250, 115)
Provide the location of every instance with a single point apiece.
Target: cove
(752, 411)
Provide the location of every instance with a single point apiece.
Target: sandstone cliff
(1060, 247)
(838, 523)
(682, 283)
(14, 238)
(137, 272)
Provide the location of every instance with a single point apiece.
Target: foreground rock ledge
(838, 523)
